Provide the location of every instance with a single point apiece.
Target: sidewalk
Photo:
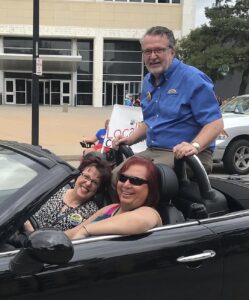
(59, 132)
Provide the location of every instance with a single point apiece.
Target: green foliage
(223, 43)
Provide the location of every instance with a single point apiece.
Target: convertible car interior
(200, 252)
(181, 199)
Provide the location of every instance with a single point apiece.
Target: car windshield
(239, 105)
(15, 173)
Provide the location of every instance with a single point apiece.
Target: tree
(222, 46)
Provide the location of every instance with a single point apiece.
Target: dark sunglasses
(133, 180)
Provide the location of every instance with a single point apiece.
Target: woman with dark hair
(137, 189)
(71, 206)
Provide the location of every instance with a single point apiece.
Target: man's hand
(184, 149)
(138, 135)
(120, 140)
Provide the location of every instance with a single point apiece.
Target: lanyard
(65, 213)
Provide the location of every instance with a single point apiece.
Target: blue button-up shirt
(178, 108)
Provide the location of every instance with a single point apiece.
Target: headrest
(168, 183)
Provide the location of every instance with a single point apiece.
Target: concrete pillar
(74, 88)
(98, 50)
(188, 16)
(1, 74)
(74, 75)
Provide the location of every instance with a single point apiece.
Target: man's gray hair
(162, 31)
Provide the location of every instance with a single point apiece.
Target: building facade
(90, 50)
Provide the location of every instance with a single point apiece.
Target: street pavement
(59, 131)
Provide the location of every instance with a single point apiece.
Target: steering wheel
(123, 152)
(19, 238)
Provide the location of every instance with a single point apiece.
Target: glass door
(10, 91)
(55, 92)
(65, 92)
(41, 92)
(47, 92)
(119, 92)
(115, 92)
(28, 89)
(44, 92)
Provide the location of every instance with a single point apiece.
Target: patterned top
(50, 215)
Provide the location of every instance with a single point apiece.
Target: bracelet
(88, 233)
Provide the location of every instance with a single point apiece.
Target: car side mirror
(49, 246)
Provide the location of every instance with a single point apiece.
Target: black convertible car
(202, 251)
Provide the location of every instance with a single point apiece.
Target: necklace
(66, 199)
(74, 217)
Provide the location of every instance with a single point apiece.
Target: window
(85, 73)
(46, 46)
(84, 86)
(55, 47)
(17, 45)
(15, 173)
(122, 60)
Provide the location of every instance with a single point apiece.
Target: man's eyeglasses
(157, 51)
(95, 183)
(133, 180)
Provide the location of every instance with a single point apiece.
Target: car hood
(235, 120)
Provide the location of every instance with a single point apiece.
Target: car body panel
(232, 145)
(236, 126)
(233, 231)
(146, 265)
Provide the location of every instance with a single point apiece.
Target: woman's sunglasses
(133, 180)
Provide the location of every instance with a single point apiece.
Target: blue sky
(200, 13)
(200, 10)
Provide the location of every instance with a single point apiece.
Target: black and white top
(50, 215)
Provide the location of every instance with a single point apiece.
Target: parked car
(239, 104)
(232, 145)
(201, 251)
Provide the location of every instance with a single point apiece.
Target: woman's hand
(28, 227)
(77, 233)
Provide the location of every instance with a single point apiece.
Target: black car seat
(168, 190)
(197, 199)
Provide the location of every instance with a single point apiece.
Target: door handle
(201, 256)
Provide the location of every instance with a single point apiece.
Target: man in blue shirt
(181, 113)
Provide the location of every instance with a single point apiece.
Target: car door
(233, 232)
(173, 262)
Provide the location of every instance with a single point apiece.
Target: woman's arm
(134, 222)
(73, 231)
